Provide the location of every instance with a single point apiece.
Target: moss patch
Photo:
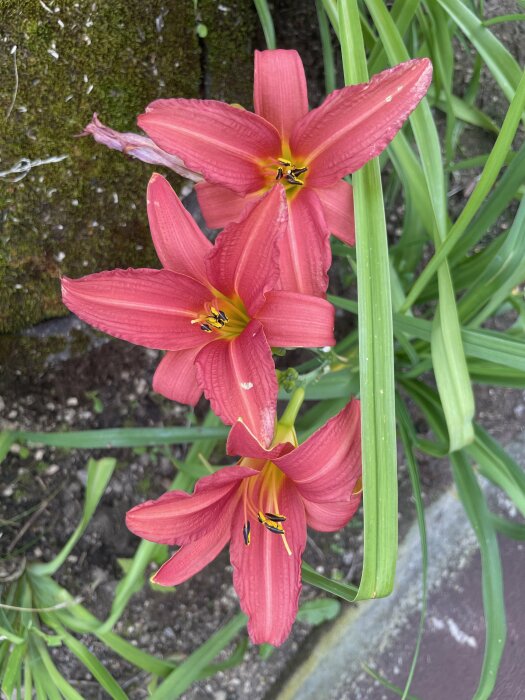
(86, 212)
(228, 49)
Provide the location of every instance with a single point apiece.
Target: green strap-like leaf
(376, 365)
(499, 61)
(405, 430)
(326, 45)
(342, 590)
(450, 366)
(498, 466)
(6, 440)
(490, 172)
(13, 670)
(190, 670)
(265, 18)
(124, 437)
(492, 580)
(134, 578)
(90, 661)
(99, 474)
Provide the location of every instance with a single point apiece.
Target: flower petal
(180, 244)
(238, 377)
(356, 123)
(279, 89)
(338, 207)
(293, 320)
(219, 205)
(194, 556)
(222, 142)
(332, 516)
(325, 468)
(153, 308)
(176, 378)
(267, 579)
(138, 146)
(245, 258)
(242, 442)
(178, 517)
(305, 248)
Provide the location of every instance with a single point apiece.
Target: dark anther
(275, 518)
(246, 532)
(205, 327)
(292, 180)
(278, 529)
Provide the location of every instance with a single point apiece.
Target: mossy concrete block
(228, 49)
(71, 206)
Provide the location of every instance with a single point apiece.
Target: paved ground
(453, 642)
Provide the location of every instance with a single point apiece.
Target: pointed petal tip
(279, 89)
(154, 177)
(356, 123)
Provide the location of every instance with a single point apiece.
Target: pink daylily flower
(241, 155)
(137, 146)
(213, 308)
(262, 507)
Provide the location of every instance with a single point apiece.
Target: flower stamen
(246, 532)
(269, 525)
(259, 505)
(289, 172)
(216, 318)
(275, 517)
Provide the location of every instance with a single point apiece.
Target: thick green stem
(291, 411)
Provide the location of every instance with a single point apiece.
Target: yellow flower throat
(264, 505)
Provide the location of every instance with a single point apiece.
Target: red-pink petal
(245, 257)
(238, 377)
(178, 517)
(326, 467)
(180, 244)
(338, 207)
(219, 205)
(194, 556)
(267, 579)
(176, 378)
(331, 516)
(305, 248)
(293, 320)
(153, 308)
(356, 123)
(242, 442)
(224, 143)
(279, 89)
